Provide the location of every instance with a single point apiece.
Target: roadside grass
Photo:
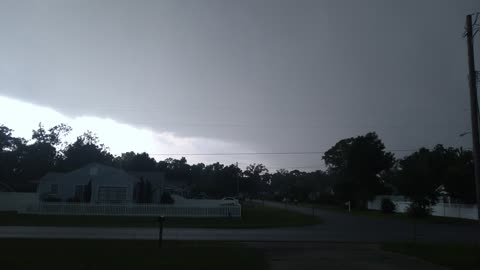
(128, 254)
(453, 256)
(253, 216)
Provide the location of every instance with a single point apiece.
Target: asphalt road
(343, 226)
(337, 227)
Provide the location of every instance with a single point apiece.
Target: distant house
(178, 188)
(97, 183)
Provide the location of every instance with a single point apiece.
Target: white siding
(66, 189)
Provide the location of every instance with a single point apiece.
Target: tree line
(357, 169)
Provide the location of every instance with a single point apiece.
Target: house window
(112, 194)
(54, 188)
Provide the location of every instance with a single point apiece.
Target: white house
(96, 183)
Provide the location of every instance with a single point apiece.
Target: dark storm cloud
(274, 75)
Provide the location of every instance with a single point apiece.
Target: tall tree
(420, 175)
(357, 163)
(460, 180)
(254, 180)
(86, 149)
(7, 141)
(53, 136)
(10, 167)
(23, 161)
(176, 169)
(131, 161)
(39, 156)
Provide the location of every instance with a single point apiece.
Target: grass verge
(253, 216)
(453, 256)
(127, 254)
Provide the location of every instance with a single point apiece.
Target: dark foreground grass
(127, 254)
(453, 256)
(253, 216)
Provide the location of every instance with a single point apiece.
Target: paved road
(347, 227)
(337, 227)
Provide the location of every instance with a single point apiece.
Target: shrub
(166, 198)
(388, 206)
(419, 210)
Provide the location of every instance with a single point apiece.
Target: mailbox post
(161, 219)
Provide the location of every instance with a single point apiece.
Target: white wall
(66, 190)
(16, 201)
(466, 211)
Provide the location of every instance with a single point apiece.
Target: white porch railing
(86, 209)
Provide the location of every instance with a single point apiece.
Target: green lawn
(454, 256)
(127, 254)
(253, 216)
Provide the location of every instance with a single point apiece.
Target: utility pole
(472, 83)
(238, 184)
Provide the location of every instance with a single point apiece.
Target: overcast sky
(205, 76)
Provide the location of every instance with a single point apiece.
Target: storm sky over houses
(238, 76)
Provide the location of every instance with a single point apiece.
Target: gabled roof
(47, 177)
(92, 170)
(97, 170)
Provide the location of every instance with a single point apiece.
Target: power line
(239, 153)
(297, 167)
(314, 166)
(262, 153)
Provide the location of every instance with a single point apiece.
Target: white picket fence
(86, 209)
(456, 210)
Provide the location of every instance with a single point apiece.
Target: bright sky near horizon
(119, 137)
